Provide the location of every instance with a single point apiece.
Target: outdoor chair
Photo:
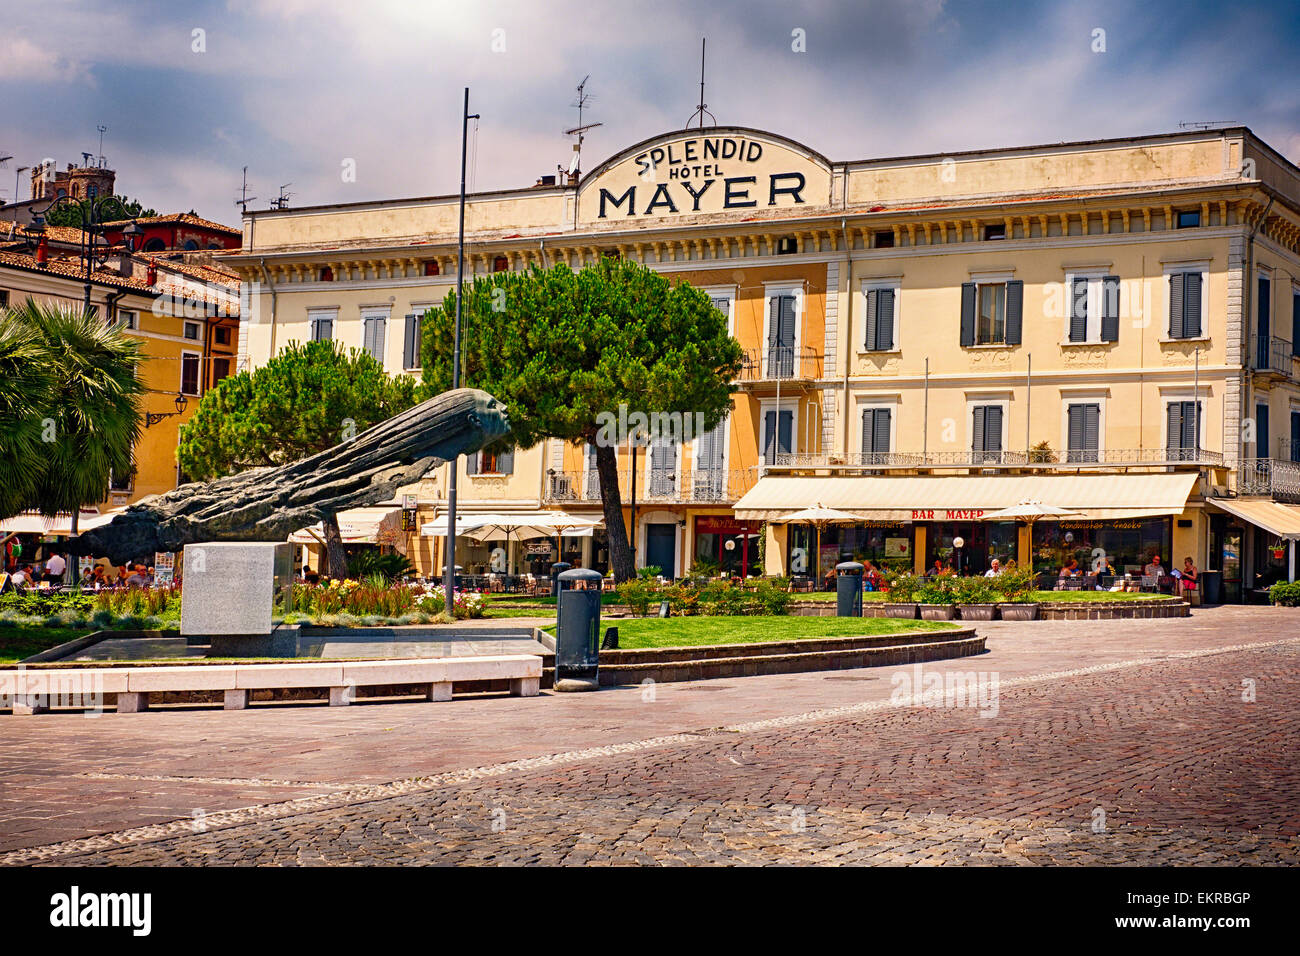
(1150, 582)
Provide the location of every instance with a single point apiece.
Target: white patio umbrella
(530, 525)
(1029, 511)
(819, 516)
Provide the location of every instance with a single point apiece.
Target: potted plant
(937, 598)
(901, 599)
(1016, 585)
(976, 598)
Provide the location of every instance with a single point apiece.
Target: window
(1263, 315)
(1181, 427)
(191, 331)
(154, 245)
(411, 341)
(373, 326)
(189, 373)
(883, 238)
(221, 335)
(191, 245)
(991, 312)
(326, 274)
(1185, 305)
(1083, 428)
(500, 462)
(876, 427)
(710, 476)
(782, 311)
(431, 267)
(1188, 218)
(881, 311)
(500, 264)
(124, 481)
(723, 304)
(1094, 309)
(1295, 323)
(998, 231)
(126, 319)
(1263, 441)
(220, 369)
(322, 325)
(786, 246)
(986, 431)
(778, 434)
(1295, 436)
(663, 468)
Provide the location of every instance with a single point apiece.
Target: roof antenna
(702, 110)
(244, 199)
(282, 202)
(575, 167)
(102, 130)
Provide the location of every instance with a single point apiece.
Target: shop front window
(1127, 545)
(886, 546)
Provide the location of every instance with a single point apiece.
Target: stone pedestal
(228, 595)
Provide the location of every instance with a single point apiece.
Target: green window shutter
(1075, 427)
(993, 428)
(1079, 310)
(769, 438)
(1264, 309)
(1295, 436)
(967, 314)
(1174, 426)
(885, 320)
(1176, 285)
(1015, 310)
(977, 428)
(411, 342)
(1092, 429)
(880, 427)
(1263, 444)
(1191, 305)
(868, 431)
(872, 295)
(1110, 309)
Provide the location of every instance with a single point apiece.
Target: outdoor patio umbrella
(1029, 511)
(819, 516)
(531, 525)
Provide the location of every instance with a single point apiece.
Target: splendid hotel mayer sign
(721, 169)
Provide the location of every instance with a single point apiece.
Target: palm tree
(25, 384)
(91, 417)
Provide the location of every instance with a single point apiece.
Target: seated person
(995, 568)
(1070, 569)
(1154, 568)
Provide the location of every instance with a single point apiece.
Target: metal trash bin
(1210, 584)
(558, 568)
(577, 630)
(848, 589)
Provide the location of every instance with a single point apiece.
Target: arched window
(190, 245)
(155, 245)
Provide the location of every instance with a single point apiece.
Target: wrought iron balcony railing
(781, 363)
(1270, 477)
(1270, 354)
(1034, 458)
(717, 485)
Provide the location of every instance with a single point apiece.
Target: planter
(938, 612)
(977, 612)
(899, 610)
(1019, 612)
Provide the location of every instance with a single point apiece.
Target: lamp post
(92, 230)
(450, 582)
(958, 544)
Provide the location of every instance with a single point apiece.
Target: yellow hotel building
(1108, 327)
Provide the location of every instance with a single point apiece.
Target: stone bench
(30, 691)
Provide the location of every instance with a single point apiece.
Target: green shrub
(1016, 585)
(650, 572)
(1285, 595)
(903, 586)
(938, 590)
(975, 590)
(368, 563)
(639, 593)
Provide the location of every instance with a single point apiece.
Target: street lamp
(958, 543)
(153, 418)
(92, 230)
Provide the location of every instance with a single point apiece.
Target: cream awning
(360, 526)
(1275, 518)
(966, 497)
(31, 522)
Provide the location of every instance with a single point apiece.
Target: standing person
(55, 568)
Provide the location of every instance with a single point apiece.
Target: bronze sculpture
(269, 504)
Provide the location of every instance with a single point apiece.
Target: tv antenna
(282, 201)
(703, 109)
(1208, 124)
(244, 199)
(580, 130)
(102, 130)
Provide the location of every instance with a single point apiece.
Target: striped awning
(968, 497)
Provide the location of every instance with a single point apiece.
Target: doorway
(661, 548)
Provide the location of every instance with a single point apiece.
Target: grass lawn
(640, 632)
(18, 643)
(497, 610)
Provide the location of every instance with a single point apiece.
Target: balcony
(718, 486)
(1033, 459)
(1270, 355)
(781, 363)
(1270, 477)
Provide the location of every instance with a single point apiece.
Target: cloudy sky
(193, 91)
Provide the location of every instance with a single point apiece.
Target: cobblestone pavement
(1113, 743)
